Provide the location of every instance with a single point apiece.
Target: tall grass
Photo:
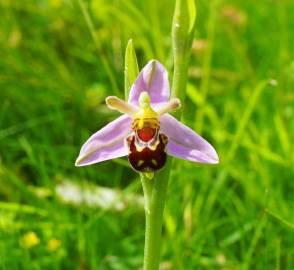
(59, 59)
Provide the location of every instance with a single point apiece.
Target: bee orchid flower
(146, 132)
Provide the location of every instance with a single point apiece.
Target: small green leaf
(131, 67)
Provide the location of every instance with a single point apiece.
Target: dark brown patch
(147, 160)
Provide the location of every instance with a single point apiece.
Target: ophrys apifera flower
(146, 132)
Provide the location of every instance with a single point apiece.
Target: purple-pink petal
(185, 143)
(107, 143)
(153, 79)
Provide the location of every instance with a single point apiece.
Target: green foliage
(59, 59)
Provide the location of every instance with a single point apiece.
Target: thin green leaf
(131, 67)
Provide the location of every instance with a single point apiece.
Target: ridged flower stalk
(154, 193)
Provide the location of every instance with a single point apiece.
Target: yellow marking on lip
(154, 162)
(140, 162)
(154, 146)
(139, 148)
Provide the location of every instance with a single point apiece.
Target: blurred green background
(59, 59)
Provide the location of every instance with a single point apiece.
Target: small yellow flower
(53, 244)
(29, 240)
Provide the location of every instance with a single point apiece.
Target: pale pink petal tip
(184, 143)
(107, 143)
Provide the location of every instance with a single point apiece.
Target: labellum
(147, 146)
(147, 149)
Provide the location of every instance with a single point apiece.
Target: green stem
(180, 77)
(155, 190)
(154, 194)
(183, 28)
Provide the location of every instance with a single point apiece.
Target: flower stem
(154, 194)
(155, 190)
